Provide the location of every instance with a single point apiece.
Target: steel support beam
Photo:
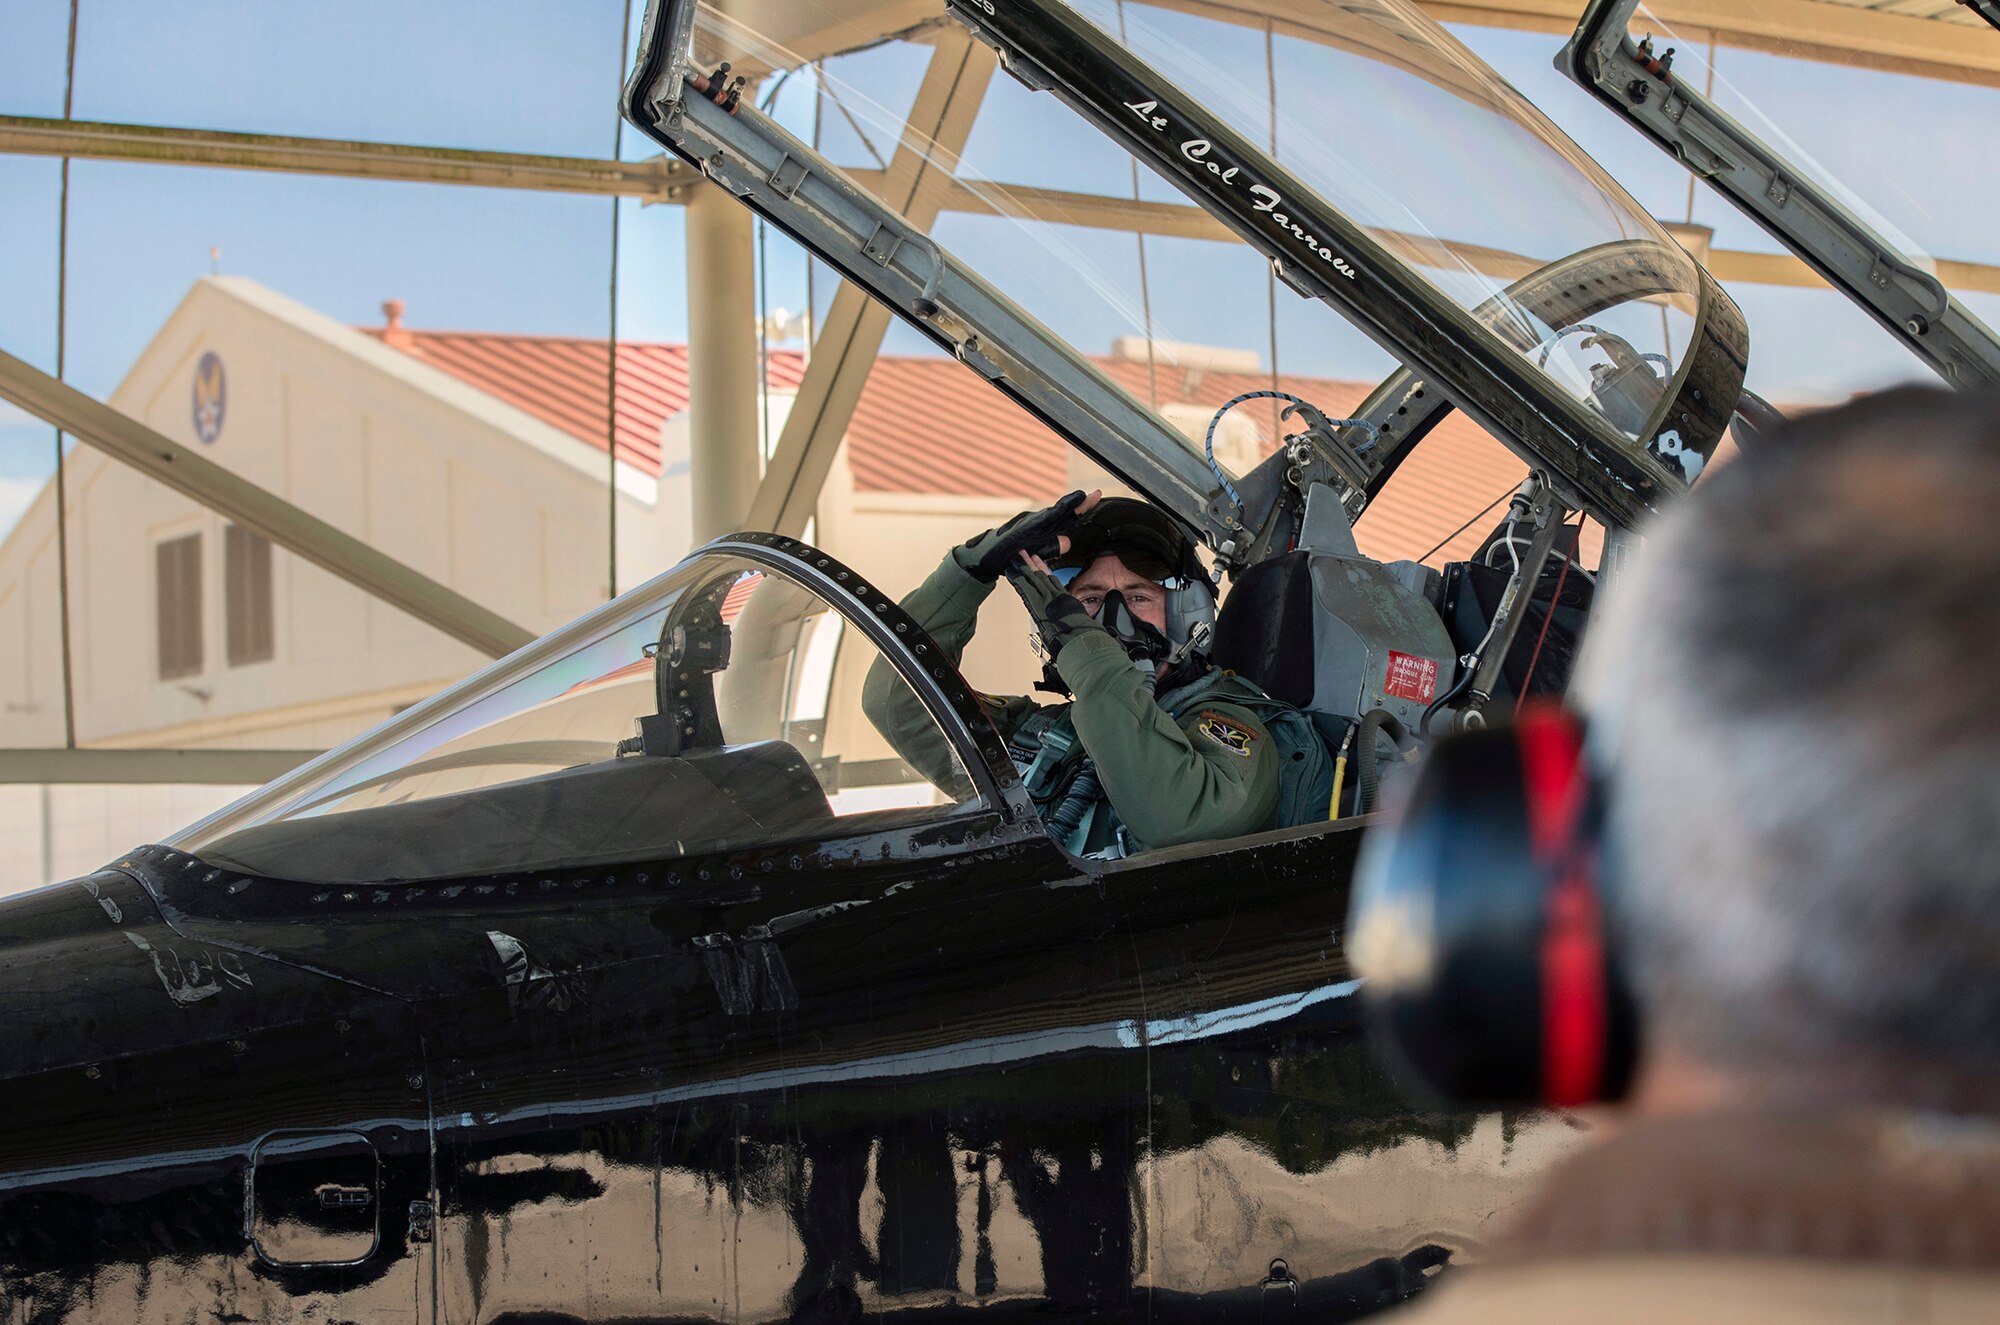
(305, 536)
(657, 180)
(1831, 33)
(917, 183)
(227, 768)
(789, 33)
(662, 179)
(1810, 29)
(1813, 29)
(1180, 220)
(724, 439)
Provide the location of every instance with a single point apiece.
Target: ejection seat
(1357, 644)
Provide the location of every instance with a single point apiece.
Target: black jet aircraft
(634, 978)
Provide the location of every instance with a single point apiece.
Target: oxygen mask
(1147, 645)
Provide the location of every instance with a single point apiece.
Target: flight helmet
(1151, 545)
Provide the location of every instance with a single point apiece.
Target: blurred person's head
(1799, 691)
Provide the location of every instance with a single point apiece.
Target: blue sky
(543, 77)
(501, 74)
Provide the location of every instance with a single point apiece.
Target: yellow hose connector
(1339, 774)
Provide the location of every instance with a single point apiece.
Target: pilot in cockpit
(1158, 746)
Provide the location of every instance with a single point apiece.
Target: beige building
(482, 462)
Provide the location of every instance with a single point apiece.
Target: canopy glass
(532, 762)
(1391, 119)
(1385, 119)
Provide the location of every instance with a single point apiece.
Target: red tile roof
(561, 380)
(928, 424)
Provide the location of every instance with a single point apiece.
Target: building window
(246, 582)
(177, 580)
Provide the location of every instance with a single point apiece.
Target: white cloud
(15, 494)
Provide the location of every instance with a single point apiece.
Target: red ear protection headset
(1480, 928)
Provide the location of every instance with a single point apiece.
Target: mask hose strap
(1196, 641)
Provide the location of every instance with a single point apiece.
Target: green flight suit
(1187, 766)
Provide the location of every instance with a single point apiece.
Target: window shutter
(246, 574)
(177, 580)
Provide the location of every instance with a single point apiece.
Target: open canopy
(1390, 120)
(1378, 165)
(1623, 54)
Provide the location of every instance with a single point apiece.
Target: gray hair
(1800, 688)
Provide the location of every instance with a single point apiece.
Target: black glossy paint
(908, 1073)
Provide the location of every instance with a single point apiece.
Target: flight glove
(998, 552)
(1058, 616)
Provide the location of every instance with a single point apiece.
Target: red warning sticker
(1411, 677)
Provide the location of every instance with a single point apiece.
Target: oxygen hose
(1084, 790)
(1468, 666)
(1367, 776)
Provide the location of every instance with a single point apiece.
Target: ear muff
(1480, 929)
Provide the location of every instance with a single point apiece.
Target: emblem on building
(210, 397)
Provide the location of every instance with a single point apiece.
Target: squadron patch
(1231, 736)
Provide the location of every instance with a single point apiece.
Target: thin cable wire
(763, 345)
(764, 299)
(852, 123)
(1548, 616)
(1271, 272)
(1145, 286)
(62, 337)
(1146, 307)
(611, 415)
(611, 344)
(812, 271)
(1468, 524)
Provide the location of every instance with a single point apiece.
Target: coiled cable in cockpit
(1208, 438)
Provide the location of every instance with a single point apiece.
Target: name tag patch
(1231, 736)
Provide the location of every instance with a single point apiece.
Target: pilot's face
(1147, 600)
